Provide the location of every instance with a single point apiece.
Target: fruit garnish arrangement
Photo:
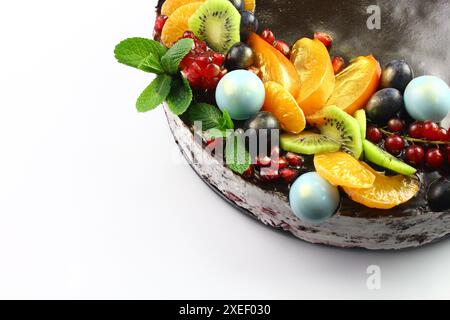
(327, 128)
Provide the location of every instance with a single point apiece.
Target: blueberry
(240, 56)
(384, 105)
(397, 74)
(249, 24)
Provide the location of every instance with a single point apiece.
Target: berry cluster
(202, 67)
(420, 143)
(280, 45)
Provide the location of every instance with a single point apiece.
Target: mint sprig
(210, 117)
(237, 157)
(151, 56)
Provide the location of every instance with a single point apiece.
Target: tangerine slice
(169, 6)
(283, 106)
(313, 64)
(341, 169)
(387, 192)
(177, 23)
(250, 5)
(354, 86)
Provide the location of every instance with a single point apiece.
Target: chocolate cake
(415, 31)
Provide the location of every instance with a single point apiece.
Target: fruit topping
(434, 158)
(159, 25)
(289, 175)
(386, 192)
(341, 169)
(394, 145)
(268, 36)
(308, 143)
(396, 125)
(383, 105)
(325, 38)
(283, 47)
(260, 127)
(169, 6)
(249, 24)
(360, 116)
(313, 199)
(427, 98)
(294, 160)
(415, 155)
(313, 64)
(374, 134)
(274, 66)
(338, 64)
(238, 4)
(217, 22)
(344, 129)
(439, 195)
(283, 106)
(416, 130)
(396, 74)
(177, 23)
(386, 160)
(240, 56)
(241, 93)
(354, 87)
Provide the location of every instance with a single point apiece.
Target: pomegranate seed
(338, 64)
(218, 59)
(415, 155)
(430, 131)
(294, 159)
(283, 47)
(442, 135)
(289, 175)
(263, 161)
(435, 158)
(211, 71)
(188, 35)
(202, 61)
(275, 152)
(394, 145)
(325, 38)
(249, 172)
(268, 36)
(416, 130)
(159, 24)
(374, 135)
(200, 45)
(269, 174)
(396, 125)
(281, 163)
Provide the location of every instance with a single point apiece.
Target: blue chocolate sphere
(313, 199)
(427, 98)
(241, 93)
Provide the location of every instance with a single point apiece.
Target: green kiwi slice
(308, 143)
(343, 128)
(217, 22)
(386, 160)
(361, 117)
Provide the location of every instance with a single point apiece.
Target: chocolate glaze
(414, 30)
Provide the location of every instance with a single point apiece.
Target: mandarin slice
(354, 86)
(341, 169)
(177, 23)
(387, 192)
(169, 6)
(313, 64)
(283, 106)
(273, 65)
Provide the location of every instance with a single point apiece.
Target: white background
(93, 203)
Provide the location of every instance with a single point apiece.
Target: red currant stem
(388, 133)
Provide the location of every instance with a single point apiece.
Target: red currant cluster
(421, 143)
(280, 45)
(202, 67)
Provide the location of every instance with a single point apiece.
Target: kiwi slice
(217, 22)
(361, 117)
(343, 128)
(386, 160)
(308, 143)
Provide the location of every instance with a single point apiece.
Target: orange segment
(274, 66)
(341, 169)
(177, 23)
(313, 64)
(354, 86)
(169, 6)
(386, 192)
(283, 106)
(250, 5)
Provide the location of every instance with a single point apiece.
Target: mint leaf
(154, 94)
(180, 96)
(226, 122)
(236, 156)
(171, 60)
(209, 115)
(140, 53)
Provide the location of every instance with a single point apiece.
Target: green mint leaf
(226, 122)
(154, 94)
(209, 115)
(171, 60)
(180, 96)
(236, 156)
(140, 53)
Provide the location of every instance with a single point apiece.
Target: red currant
(294, 159)
(394, 145)
(396, 125)
(430, 131)
(283, 47)
(416, 130)
(325, 38)
(435, 158)
(159, 24)
(415, 155)
(338, 64)
(442, 135)
(374, 134)
(268, 36)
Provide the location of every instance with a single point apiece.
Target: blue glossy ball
(427, 98)
(241, 93)
(313, 199)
